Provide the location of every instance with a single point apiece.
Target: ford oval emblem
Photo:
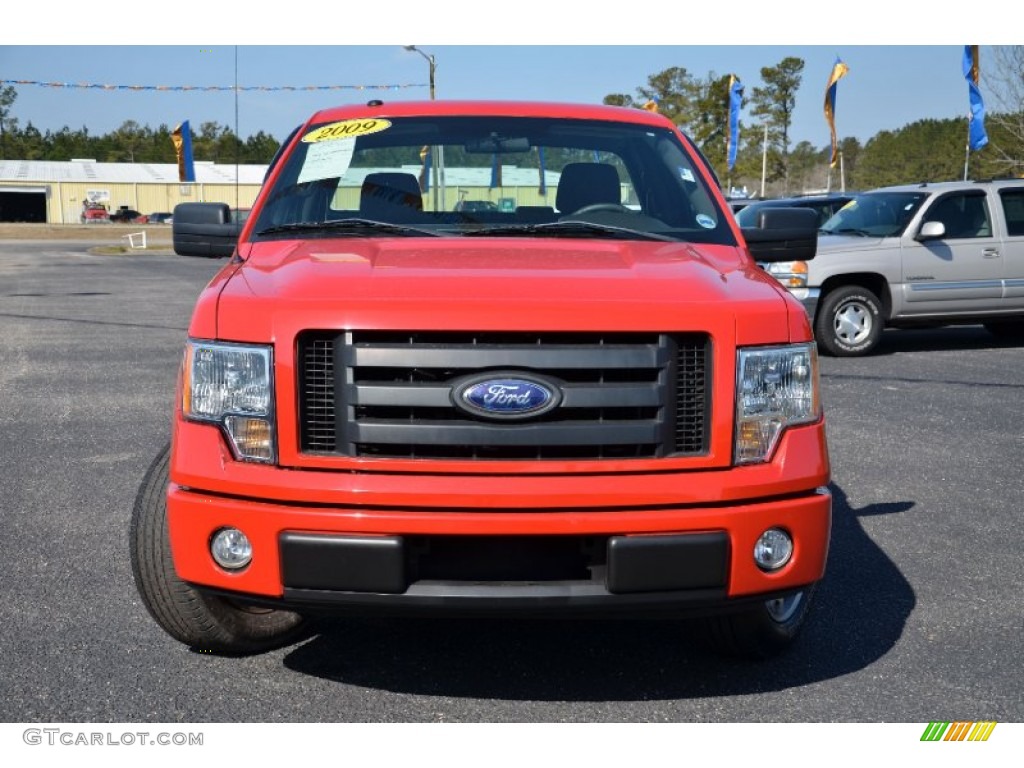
(506, 396)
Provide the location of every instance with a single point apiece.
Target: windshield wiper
(847, 231)
(350, 226)
(569, 228)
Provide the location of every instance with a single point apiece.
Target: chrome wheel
(853, 322)
(849, 321)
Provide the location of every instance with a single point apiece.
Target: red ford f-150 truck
(589, 402)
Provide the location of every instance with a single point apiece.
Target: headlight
(231, 385)
(792, 274)
(776, 388)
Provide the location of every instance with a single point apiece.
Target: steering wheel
(598, 207)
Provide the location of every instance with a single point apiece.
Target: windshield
(875, 214)
(501, 176)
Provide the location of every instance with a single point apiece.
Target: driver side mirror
(931, 230)
(783, 234)
(204, 229)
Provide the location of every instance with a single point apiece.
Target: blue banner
(182, 139)
(495, 170)
(732, 134)
(977, 138)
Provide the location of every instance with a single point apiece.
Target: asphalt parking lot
(919, 617)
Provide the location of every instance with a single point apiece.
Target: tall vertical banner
(732, 129)
(542, 187)
(425, 169)
(977, 138)
(495, 171)
(839, 70)
(182, 139)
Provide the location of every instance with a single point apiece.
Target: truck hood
(499, 284)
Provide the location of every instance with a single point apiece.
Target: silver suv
(944, 253)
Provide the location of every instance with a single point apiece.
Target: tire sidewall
(835, 302)
(207, 622)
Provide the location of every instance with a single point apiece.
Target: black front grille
(388, 394)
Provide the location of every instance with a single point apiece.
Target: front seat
(583, 184)
(389, 195)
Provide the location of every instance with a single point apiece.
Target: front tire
(849, 322)
(762, 632)
(205, 622)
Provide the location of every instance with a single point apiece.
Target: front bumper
(599, 544)
(701, 559)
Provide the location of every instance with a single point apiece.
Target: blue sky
(551, 55)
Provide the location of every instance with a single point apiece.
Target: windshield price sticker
(347, 129)
(327, 160)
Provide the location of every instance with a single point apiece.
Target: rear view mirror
(204, 229)
(783, 234)
(495, 144)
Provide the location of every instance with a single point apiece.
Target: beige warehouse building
(53, 192)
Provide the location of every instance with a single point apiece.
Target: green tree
(160, 148)
(926, 150)
(31, 144)
(808, 168)
(8, 95)
(228, 148)
(128, 138)
(66, 144)
(774, 102)
(619, 100)
(673, 89)
(204, 144)
(849, 153)
(709, 110)
(1003, 80)
(260, 148)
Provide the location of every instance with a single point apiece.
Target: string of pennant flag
(109, 87)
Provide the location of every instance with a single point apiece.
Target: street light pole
(437, 158)
(431, 61)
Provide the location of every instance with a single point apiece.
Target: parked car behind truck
(824, 205)
(902, 256)
(574, 409)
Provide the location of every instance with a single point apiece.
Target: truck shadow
(860, 610)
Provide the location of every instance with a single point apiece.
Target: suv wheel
(205, 622)
(761, 632)
(849, 322)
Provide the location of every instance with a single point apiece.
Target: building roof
(125, 173)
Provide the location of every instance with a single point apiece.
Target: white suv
(950, 252)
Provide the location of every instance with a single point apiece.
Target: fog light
(231, 549)
(773, 549)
